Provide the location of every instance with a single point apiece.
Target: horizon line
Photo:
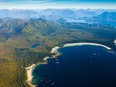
(51, 8)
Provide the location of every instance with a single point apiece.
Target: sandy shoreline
(29, 69)
(55, 50)
(29, 75)
(85, 43)
(115, 42)
(46, 58)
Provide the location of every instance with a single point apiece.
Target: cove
(78, 66)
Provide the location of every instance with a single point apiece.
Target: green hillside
(17, 37)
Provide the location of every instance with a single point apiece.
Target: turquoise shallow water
(78, 66)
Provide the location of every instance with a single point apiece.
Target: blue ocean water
(78, 66)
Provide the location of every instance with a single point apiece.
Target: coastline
(115, 42)
(56, 54)
(86, 43)
(54, 50)
(29, 74)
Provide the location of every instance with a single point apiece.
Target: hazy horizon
(57, 4)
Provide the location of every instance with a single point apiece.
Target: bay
(78, 66)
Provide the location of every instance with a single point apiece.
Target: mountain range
(27, 36)
(104, 18)
(52, 14)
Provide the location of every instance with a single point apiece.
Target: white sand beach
(115, 42)
(30, 68)
(54, 50)
(46, 58)
(29, 74)
(86, 43)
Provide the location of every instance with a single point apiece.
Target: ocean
(78, 66)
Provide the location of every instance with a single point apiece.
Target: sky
(43, 4)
